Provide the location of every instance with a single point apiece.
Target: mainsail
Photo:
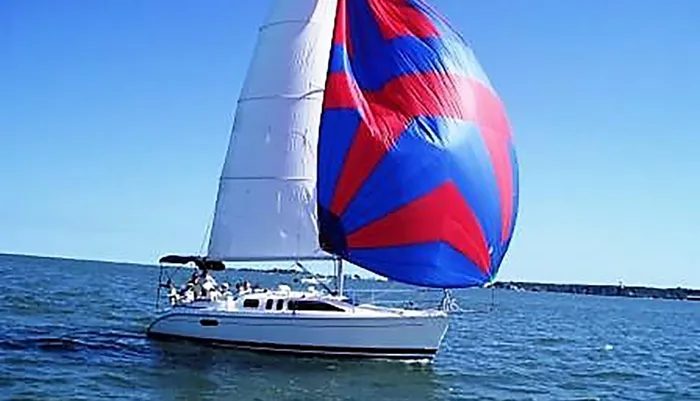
(266, 202)
(367, 130)
(418, 177)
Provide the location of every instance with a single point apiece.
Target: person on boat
(207, 283)
(242, 287)
(188, 295)
(224, 291)
(173, 294)
(188, 286)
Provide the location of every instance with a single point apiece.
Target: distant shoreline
(603, 290)
(583, 289)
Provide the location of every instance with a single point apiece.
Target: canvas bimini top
(200, 262)
(367, 130)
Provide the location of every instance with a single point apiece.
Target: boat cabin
(283, 300)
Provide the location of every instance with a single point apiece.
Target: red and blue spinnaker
(417, 172)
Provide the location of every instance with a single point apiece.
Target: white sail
(266, 202)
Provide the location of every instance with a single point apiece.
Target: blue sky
(115, 116)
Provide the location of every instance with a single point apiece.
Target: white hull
(359, 331)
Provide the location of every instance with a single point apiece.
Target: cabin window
(312, 306)
(268, 304)
(280, 304)
(251, 303)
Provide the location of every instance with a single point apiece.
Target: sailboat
(366, 132)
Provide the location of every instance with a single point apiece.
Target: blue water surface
(75, 330)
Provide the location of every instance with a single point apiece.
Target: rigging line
(298, 264)
(206, 233)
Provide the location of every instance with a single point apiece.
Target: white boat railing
(407, 298)
(366, 292)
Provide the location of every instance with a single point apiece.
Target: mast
(339, 279)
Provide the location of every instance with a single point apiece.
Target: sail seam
(268, 178)
(282, 96)
(291, 21)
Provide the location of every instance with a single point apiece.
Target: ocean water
(75, 330)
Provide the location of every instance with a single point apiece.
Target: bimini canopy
(200, 262)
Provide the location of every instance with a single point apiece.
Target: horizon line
(156, 264)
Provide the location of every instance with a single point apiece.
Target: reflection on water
(191, 371)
